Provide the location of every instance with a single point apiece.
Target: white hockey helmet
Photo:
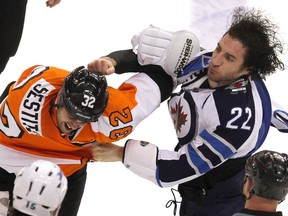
(39, 189)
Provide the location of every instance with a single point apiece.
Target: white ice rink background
(77, 31)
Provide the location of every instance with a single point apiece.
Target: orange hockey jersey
(28, 126)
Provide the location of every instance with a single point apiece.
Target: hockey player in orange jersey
(56, 115)
(53, 114)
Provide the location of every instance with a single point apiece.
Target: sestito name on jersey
(30, 110)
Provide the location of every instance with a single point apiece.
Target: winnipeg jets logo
(239, 85)
(179, 118)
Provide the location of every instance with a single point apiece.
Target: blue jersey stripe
(218, 145)
(202, 165)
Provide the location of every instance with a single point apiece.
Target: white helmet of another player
(170, 50)
(39, 189)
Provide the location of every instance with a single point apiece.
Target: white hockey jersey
(213, 125)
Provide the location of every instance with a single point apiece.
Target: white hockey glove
(170, 50)
(140, 157)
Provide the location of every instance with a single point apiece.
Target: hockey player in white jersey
(221, 115)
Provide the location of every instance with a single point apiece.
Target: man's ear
(246, 71)
(57, 100)
(249, 183)
(247, 187)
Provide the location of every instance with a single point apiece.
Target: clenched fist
(104, 65)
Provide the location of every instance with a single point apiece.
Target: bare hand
(52, 3)
(107, 152)
(103, 65)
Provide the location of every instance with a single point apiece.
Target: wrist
(120, 154)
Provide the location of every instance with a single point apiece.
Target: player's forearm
(107, 152)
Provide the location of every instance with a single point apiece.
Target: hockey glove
(140, 157)
(170, 50)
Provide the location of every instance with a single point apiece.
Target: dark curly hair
(259, 35)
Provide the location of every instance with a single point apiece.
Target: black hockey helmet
(269, 173)
(84, 95)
